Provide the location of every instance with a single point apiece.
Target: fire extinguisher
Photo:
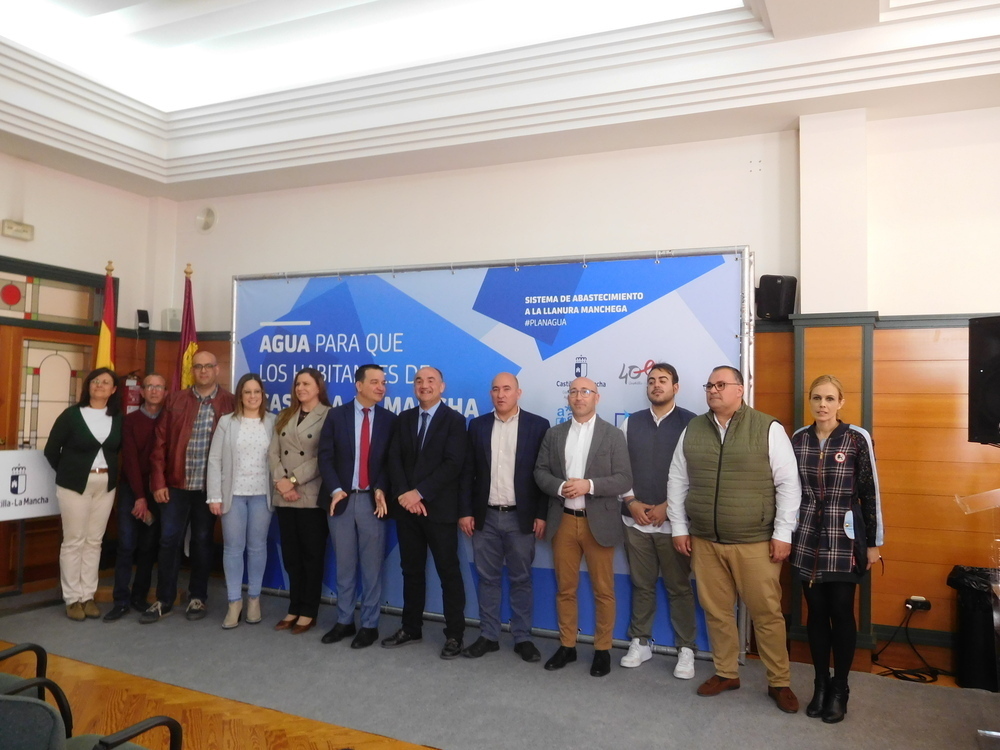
(133, 392)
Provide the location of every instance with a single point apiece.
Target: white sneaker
(637, 654)
(685, 664)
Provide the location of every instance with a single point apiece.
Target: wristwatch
(293, 480)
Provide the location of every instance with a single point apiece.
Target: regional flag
(106, 338)
(183, 375)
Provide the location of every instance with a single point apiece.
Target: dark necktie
(423, 430)
(365, 447)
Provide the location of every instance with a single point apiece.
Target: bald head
(504, 392)
(583, 398)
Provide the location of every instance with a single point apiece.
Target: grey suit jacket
(608, 467)
(295, 450)
(222, 458)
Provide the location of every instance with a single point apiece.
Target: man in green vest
(732, 499)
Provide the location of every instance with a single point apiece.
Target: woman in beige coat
(296, 478)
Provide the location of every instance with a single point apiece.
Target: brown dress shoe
(716, 684)
(300, 629)
(785, 699)
(285, 624)
(90, 609)
(74, 611)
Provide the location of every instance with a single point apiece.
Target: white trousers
(84, 519)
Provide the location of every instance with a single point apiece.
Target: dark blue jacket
(337, 452)
(531, 501)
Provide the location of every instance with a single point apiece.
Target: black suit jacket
(436, 471)
(337, 453)
(531, 502)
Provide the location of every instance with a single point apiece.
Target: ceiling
(204, 98)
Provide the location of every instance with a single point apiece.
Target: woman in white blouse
(239, 491)
(82, 447)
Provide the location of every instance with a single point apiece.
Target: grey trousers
(501, 540)
(648, 556)
(358, 541)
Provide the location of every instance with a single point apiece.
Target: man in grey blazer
(583, 466)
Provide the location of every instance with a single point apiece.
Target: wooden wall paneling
(922, 376)
(932, 444)
(937, 478)
(221, 350)
(948, 410)
(934, 512)
(888, 609)
(835, 351)
(166, 358)
(774, 376)
(921, 344)
(131, 355)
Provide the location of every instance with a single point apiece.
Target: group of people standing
(725, 494)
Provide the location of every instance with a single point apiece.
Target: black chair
(41, 664)
(32, 724)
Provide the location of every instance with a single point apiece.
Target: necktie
(366, 440)
(423, 430)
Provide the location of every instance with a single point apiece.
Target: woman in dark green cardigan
(83, 449)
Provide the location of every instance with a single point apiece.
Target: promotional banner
(29, 486)
(607, 320)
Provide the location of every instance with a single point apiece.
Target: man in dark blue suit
(504, 511)
(426, 457)
(352, 452)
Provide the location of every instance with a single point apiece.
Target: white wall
(933, 243)
(934, 214)
(82, 225)
(719, 193)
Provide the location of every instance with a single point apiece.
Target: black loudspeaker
(984, 380)
(776, 297)
(142, 316)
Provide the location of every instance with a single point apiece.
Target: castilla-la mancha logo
(18, 480)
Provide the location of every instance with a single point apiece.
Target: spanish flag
(183, 375)
(106, 339)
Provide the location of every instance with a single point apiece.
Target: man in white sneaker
(652, 436)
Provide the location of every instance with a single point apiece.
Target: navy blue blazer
(336, 453)
(436, 471)
(531, 502)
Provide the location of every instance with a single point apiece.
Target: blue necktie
(423, 430)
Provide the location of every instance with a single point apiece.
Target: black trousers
(416, 535)
(303, 534)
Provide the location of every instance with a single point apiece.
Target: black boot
(835, 705)
(815, 708)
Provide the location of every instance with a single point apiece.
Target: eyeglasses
(720, 386)
(574, 392)
(154, 387)
(204, 367)
(105, 383)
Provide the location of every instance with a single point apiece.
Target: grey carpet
(497, 701)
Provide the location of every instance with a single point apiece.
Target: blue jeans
(174, 516)
(244, 527)
(136, 542)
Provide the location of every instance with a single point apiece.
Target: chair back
(30, 724)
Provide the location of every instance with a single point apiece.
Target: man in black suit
(504, 511)
(352, 452)
(426, 457)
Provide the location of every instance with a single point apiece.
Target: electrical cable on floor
(926, 674)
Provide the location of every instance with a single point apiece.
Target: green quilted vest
(731, 497)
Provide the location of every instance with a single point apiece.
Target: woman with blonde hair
(294, 464)
(239, 491)
(836, 540)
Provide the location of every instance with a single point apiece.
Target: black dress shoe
(365, 638)
(481, 647)
(601, 664)
(400, 638)
(117, 612)
(339, 632)
(563, 656)
(452, 648)
(527, 651)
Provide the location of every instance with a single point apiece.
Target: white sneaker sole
(630, 664)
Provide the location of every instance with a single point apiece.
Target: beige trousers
(84, 519)
(721, 572)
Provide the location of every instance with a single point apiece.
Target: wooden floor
(105, 701)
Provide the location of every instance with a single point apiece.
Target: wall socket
(918, 604)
